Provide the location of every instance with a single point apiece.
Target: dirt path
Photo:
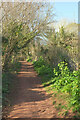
(29, 98)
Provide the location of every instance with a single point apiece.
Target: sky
(63, 10)
(66, 10)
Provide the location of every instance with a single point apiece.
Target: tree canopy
(21, 23)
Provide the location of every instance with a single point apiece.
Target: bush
(39, 62)
(42, 68)
(67, 81)
(63, 79)
(29, 59)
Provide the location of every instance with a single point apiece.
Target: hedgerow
(62, 80)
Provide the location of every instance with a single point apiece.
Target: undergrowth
(7, 78)
(62, 80)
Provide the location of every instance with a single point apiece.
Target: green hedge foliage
(63, 80)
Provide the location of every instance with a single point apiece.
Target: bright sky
(66, 10)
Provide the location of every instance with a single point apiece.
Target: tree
(21, 23)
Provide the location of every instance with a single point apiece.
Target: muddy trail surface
(29, 99)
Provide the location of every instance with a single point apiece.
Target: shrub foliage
(63, 79)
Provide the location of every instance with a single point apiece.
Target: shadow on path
(29, 98)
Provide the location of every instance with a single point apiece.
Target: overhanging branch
(29, 40)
